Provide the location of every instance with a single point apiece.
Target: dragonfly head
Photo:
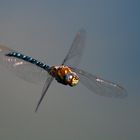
(72, 79)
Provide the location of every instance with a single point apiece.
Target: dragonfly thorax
(64, 75)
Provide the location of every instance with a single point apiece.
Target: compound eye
(68, 77)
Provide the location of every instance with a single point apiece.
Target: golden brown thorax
(60, 72)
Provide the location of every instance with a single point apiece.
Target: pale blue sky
(45, 30)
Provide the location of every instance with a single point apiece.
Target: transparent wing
(25, 70)
(44, 91)
(72, 59)
(100, 86)
(74, 55)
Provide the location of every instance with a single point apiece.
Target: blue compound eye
(68, 77)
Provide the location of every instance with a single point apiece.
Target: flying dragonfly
(67, 73)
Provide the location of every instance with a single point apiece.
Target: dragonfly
(67, 73)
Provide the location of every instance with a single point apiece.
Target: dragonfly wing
(45, 88)
(71, 59)
(25, 70)
(74, 55)
(100, 86)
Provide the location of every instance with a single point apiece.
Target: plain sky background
(45, 30)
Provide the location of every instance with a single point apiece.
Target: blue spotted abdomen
(28, 59)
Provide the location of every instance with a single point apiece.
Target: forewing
(72, 59)
(44, 91)
(74, 54)
(25, 70)
(100, 86)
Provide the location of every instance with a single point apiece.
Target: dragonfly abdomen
(28, 59)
